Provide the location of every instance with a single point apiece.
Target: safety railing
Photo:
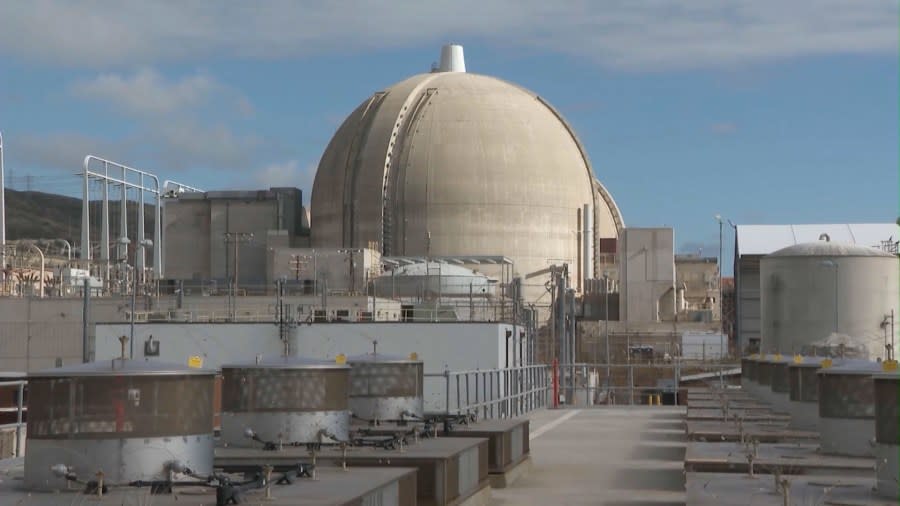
(496, 393)
(636, 383)
(19, 408)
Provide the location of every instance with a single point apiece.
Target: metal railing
(20, 410)
(587, 384)
(496, 393)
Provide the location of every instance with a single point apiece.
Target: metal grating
(119, 406)
(267, 389)
(373, 379)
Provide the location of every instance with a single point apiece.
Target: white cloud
(638, 35)
(288, 173)
(147, 92)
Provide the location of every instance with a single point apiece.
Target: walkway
(616, 456)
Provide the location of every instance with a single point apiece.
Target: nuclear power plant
(457, 314)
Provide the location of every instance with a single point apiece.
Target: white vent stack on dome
(452, 59)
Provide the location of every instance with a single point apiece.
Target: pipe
(41, 253)
(2, 210)
(587, 256)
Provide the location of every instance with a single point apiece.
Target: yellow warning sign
(889, 365)
(340, 359)
(195, 361)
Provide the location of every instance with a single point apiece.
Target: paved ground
(616, 456)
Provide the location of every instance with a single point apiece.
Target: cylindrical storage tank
(778, 394)
(826, 294)
(285, 400)
(847, 407)
(804, 392)
(887, 439)
(132, 420)
(749, 374)
(386, 387)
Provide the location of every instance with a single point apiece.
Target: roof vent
(452, 59)
(824, 237)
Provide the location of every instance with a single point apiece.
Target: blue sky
(760, 111)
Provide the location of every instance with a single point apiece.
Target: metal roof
(121, 367)
(764, 239)
(829, 249)
(282, 362)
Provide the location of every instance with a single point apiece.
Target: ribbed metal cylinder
(384, 387)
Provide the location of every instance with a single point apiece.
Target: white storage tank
(285, 400)
(775, 382)
(847, 407)
(131, 420)
(827, 294)
(804, 392)
(386, 387)
(887, 426)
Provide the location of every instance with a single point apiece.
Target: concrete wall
(748, 308)
(458, 346)
(344, 270)
(647, 274)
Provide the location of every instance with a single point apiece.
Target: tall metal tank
(847, 407)
(131, 420)
(804, 392)
(386, 387)
(286, 400)
(887, 433)
(825, 293)
(775, 382)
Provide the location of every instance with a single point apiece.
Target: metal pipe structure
(152, 186)
(2, 210)
(41, 253)
(606, 327)
(587, 256)
(139, 247)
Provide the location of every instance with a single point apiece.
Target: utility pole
(235, 239)
(721, 305)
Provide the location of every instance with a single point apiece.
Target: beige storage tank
(829, 294)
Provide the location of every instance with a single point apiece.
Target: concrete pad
(603, 455)
(719, 489)
(765, 432)
(789, 458)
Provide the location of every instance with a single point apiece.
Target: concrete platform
(611, 456)
(765, 432)
(333, 486)
(789, 458)
(718, 489)
(731, 414)
(450, 470)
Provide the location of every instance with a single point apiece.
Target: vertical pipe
(587, 256)
(123, 217)
(20, 405)
(85, 317)
(2, 211)
(157, 235)
(104, 224)
(140, 252)
(85, 253)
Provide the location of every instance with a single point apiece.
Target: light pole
(144, 243)
(721, 311)
(606, 332)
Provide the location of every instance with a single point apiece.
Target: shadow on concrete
(659, 452)
(662, 435)
(668, 480)
(639, 502)
(666, 424)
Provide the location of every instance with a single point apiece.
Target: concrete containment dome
(823, 296)
(454, 163)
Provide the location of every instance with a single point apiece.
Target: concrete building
(451, 163)
(647, 275)
(347, 271)
(697, 285)
(752, 242)
(204, 233)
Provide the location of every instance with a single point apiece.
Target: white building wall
(441, 346)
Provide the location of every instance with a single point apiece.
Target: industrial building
(753, 242)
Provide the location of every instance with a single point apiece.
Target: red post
(555, 378)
